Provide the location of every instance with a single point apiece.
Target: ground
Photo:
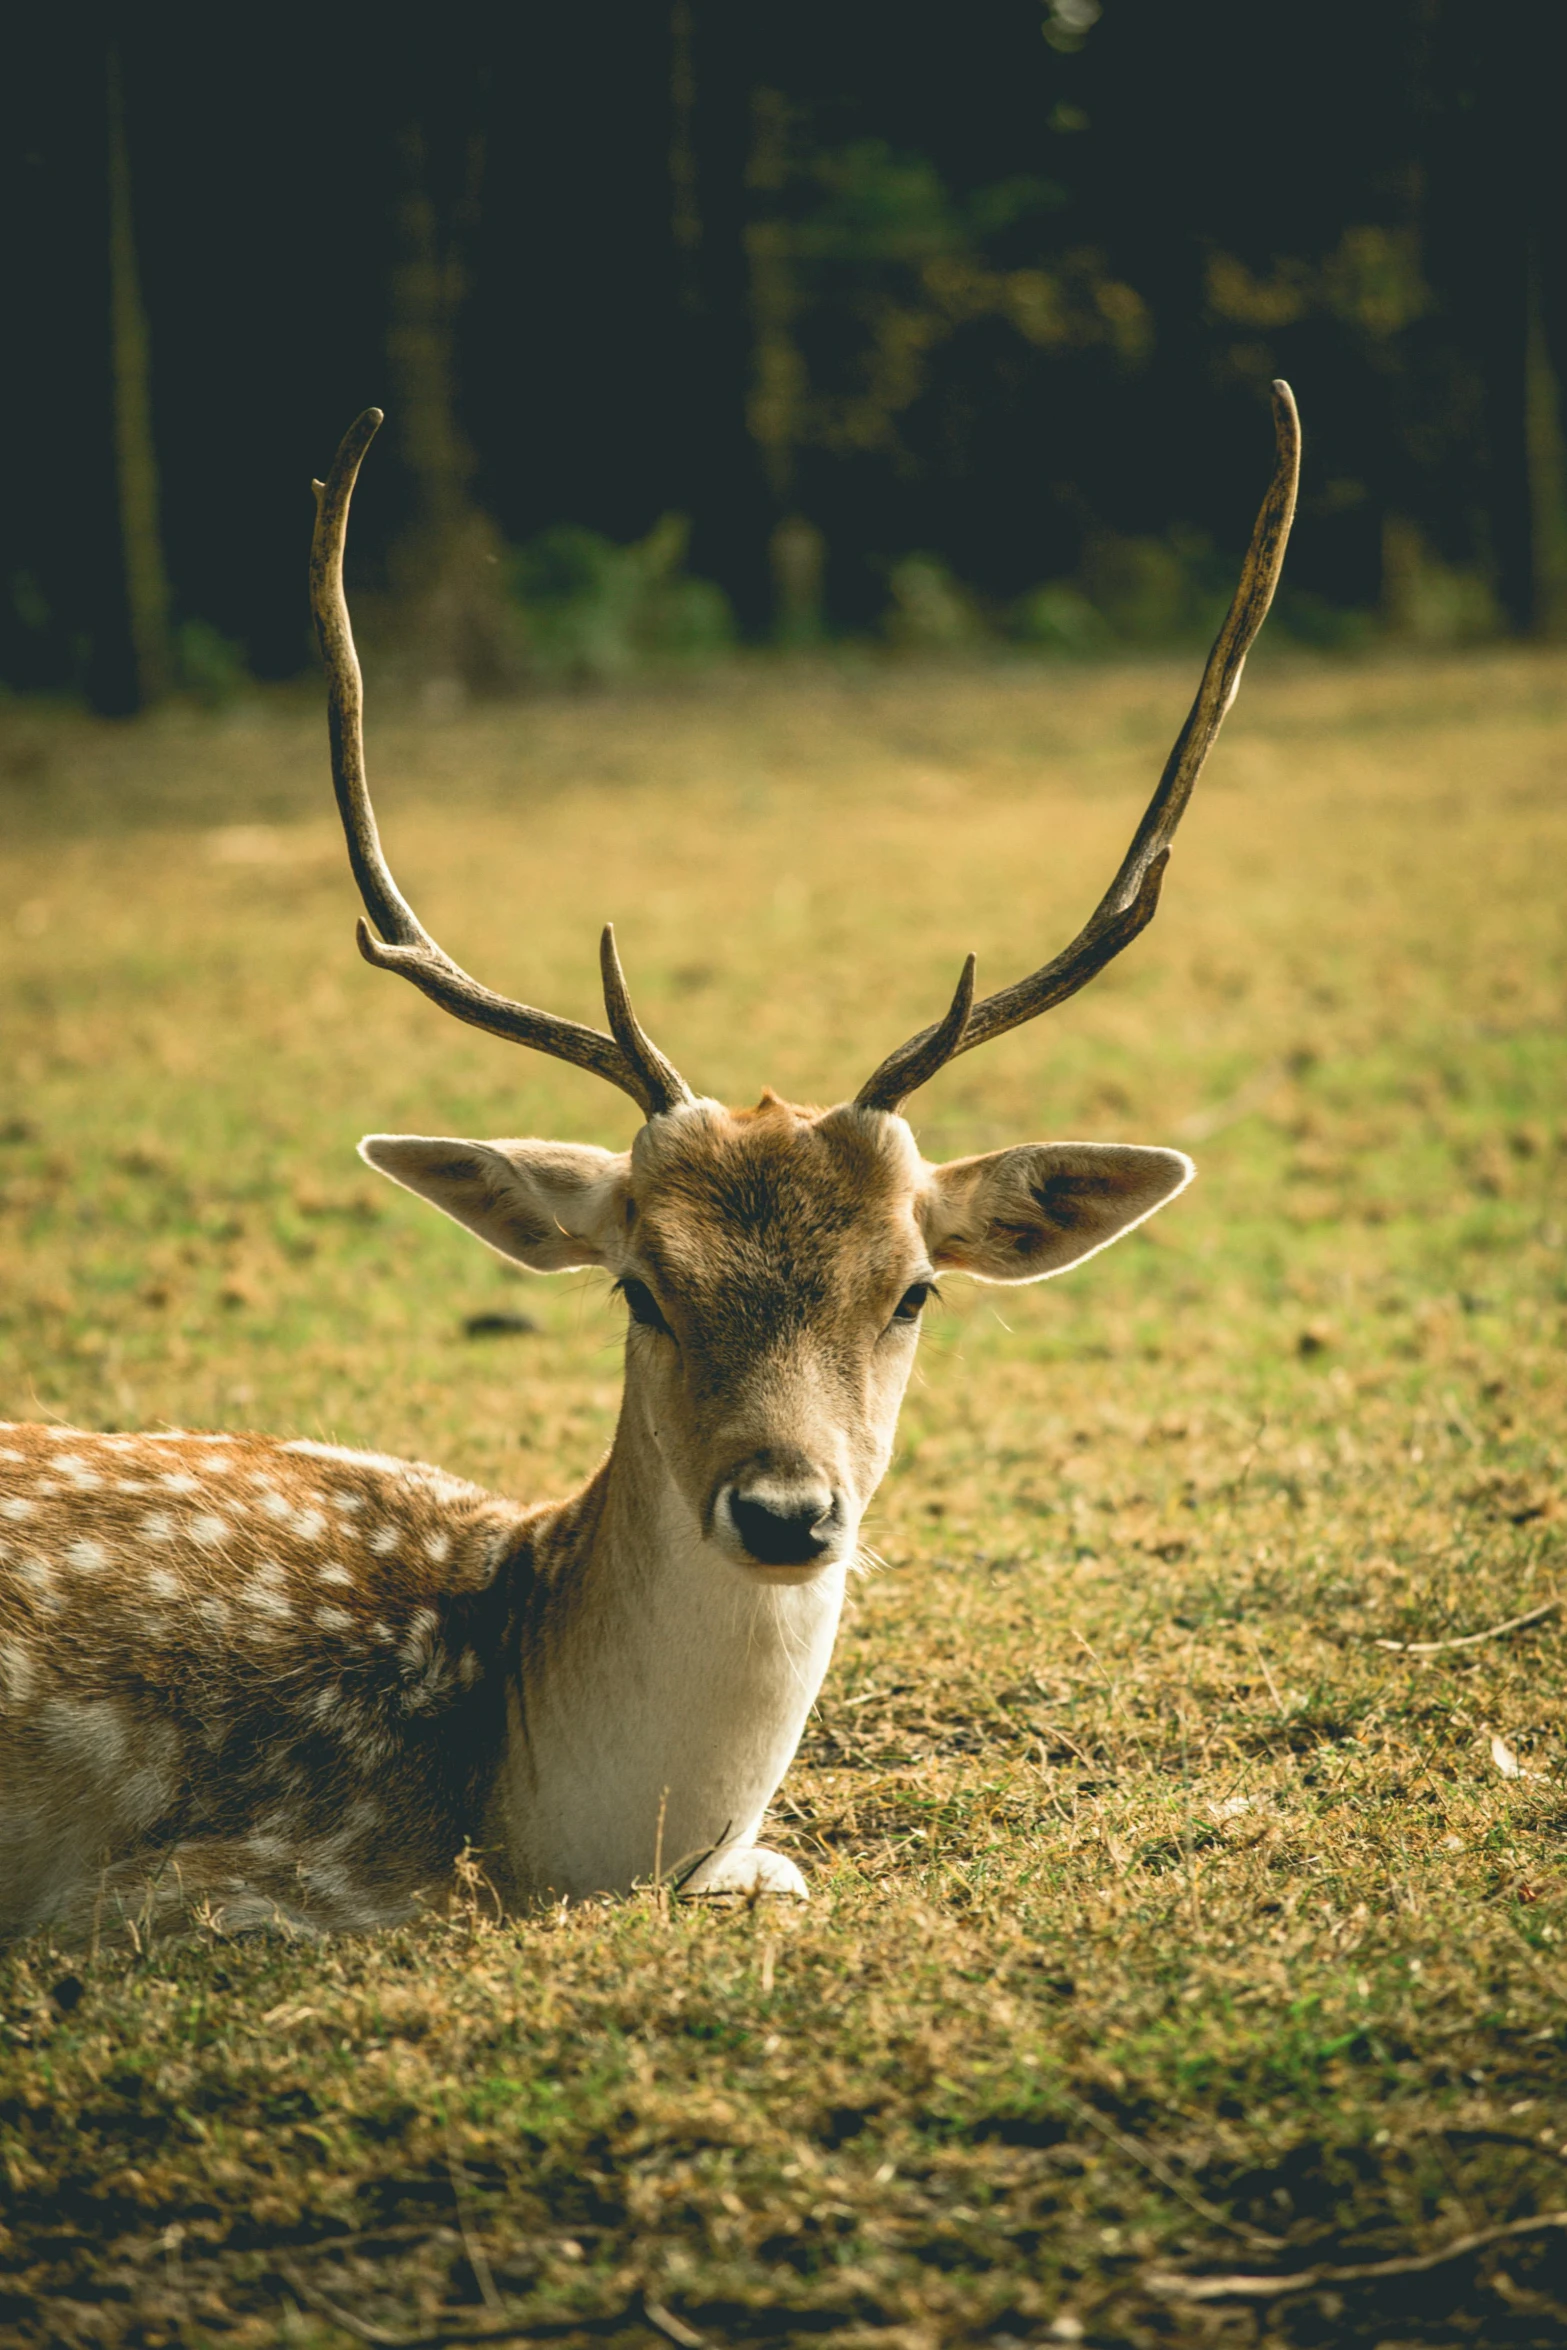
(1171, 1920)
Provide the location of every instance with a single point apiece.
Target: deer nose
(782, 1524)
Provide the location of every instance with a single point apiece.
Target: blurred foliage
(880, 269)
(1371, 281)
(209, 666)
(595, 611)
(930, 612)
(999, 303)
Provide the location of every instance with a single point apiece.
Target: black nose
(787, 1537)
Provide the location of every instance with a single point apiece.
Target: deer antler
(627, 1057)
(1129, 904)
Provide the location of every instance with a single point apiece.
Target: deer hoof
(753, 1871)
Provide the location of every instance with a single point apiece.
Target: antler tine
(1129, 904)
(915, 1063)
(627, 1058)
(660, 1078)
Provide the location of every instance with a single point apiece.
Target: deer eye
(911, 1303)
(644, 1306)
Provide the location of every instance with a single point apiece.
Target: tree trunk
(685, 212)
(458, 634)
(1547, 462)
(779, 383)
(136, 459)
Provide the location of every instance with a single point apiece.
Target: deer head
(774, 1261)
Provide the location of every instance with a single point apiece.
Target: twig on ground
(1267, 1672)
(477, 2259)
(360, 2327)
(1307, 2280)
(393, 2232)
(1472, 1639)
(451, 2338)
(1044, 1728)
(1137, 2152)
(674, 2329)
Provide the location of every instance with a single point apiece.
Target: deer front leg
(749, 1869)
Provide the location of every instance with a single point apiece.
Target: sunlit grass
(1161, 1912)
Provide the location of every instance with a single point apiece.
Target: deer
(269, 1683)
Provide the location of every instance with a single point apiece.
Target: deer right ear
(554, 1206)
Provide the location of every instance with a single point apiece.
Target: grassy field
(1169, 1923)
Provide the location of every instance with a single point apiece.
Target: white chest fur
(678, 1685)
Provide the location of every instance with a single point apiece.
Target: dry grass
(1165, 1920)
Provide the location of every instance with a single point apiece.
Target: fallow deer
(277, 1682)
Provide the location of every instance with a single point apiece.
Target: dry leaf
(1505, 1759)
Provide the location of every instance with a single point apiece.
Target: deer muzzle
(783, 1520)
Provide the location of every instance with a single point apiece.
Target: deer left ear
(1023, 1214)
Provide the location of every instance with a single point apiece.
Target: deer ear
(551, 1205)
(1023, 1214)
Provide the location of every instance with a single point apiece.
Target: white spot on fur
(214, 1613)
(130, 1484)
(85, 1480)
(36, 1575)
(264, 1593)
(350, 1504)
(380, 1631)
(215, 1462)
(276, 1505)
(208, 1530)
(159, 1527)
(334, 1619)
(335, 1574)
(87, 1554)
(6, 1454)
(437, 1547)
(16, 1505)
(162, 1584)
(16, 1673)
(92, 1735)
(383, 1541)
(176, 1481)
(309, 1525)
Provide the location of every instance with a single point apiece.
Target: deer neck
(660, 1691)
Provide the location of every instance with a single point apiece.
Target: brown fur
(291, 1683)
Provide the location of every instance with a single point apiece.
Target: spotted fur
(267, 1679)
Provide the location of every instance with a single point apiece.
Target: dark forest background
(719, 317)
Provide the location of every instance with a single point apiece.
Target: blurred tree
(776, 407)
(999, 288)
(136, 457)
(1547, 460)
(685, 212)
(455, 630)
(874, 291)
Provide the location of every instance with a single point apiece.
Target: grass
(1164, 1920)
